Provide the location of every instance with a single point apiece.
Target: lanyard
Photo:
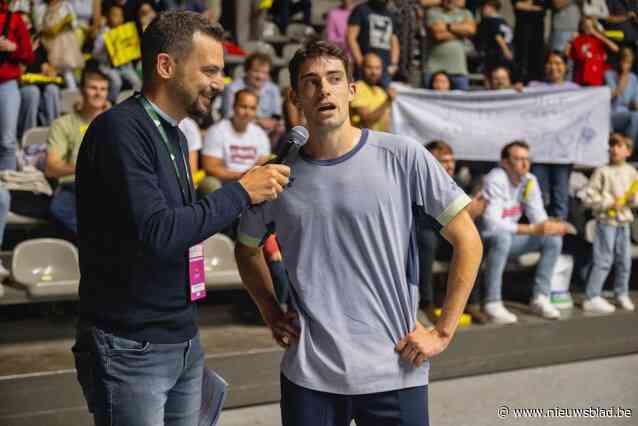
(153, 115)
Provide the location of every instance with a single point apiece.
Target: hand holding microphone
(265, 183)
(295, 139)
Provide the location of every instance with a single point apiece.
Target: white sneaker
(542, 306)
(598, 305)
(4, 274)
(625, 302)
(498, 314)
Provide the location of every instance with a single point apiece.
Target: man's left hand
(421, 344)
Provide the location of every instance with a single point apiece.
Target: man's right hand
(265, 183)
(551, 227)
(283, 326)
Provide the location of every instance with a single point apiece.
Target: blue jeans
(5, 203)
(612, 247)
(9, 110)
(39, 106)
(63, 207)
(117, 76)
(503, 245)
(625, 122)
(307, 407)
(132, 383)
(558, 39)
(432, 246)
(554, 182)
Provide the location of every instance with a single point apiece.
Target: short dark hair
(172, 32)
(505, 152)
(92, 71)
(558, 53)
(499, 67)
(620, 139)
(439, 145)
(257, 57)
(316, 49)
(242, 92)
(437, 73)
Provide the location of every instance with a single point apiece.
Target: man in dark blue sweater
(137, 352)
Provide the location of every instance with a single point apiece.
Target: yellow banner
(123, 44)
(30, 78)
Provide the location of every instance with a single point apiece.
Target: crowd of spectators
(55, 46)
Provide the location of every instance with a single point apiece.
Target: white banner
(561, 126)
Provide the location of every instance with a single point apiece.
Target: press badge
(196, 272)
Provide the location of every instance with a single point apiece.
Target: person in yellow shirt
(63, 145)
(370, 107)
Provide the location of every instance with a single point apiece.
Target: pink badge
(196, 272)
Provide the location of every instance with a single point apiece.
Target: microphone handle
(282, 156)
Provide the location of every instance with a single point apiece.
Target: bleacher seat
(299, 32)
(69, 98)
(46, 267)
(220, 265)
(259, 46)
(266, 48)
(36, 135)
(124, 95)
(18, 219)
(289, 51)
(283, 78)
(1, 290)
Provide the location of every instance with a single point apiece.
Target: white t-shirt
(189, 127)
(239, 151)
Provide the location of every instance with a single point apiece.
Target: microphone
(295, 139)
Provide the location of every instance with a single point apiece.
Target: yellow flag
(123, 44)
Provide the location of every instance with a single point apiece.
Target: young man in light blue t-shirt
(346, 228)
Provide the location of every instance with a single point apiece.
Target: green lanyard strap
(171, 152)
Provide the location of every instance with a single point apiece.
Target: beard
(189, 100)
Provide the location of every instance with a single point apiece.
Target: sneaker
(598, 305)
(477, 315)
(625, 302)
(542, 306)
(4, 274)
(497, 313)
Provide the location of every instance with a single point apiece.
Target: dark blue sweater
(135, 228)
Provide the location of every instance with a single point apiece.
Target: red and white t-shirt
(239, 151)
(589, 56)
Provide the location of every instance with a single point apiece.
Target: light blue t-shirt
(270, 102)
(346, 228)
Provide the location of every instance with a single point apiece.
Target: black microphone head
(298, 135)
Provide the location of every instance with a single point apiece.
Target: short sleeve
(356, 18)
(213, 143)
(434, 15)
(57, 139)
(253, 225)
(192, 133)
(263, 143)
(435, 191)
(276, 101)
